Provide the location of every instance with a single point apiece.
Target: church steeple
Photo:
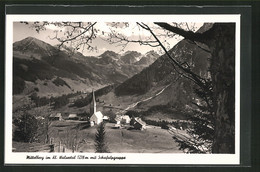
(93, 104)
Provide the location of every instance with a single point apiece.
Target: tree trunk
(222, 70)
(221, 41)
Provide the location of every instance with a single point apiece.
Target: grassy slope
(151, 140)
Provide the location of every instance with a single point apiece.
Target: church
(97, 116)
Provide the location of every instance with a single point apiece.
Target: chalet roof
(56, 115)
(118, 118)
(125, 117)
(138, 120)
(105, 117)
(72, 115)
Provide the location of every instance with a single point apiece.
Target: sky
(21, 31)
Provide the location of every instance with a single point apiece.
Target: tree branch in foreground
(186, 34)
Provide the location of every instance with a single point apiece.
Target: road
(144, 100)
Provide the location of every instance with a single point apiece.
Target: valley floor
(122, 140)
(150, 140)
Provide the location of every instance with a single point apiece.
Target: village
(124, 134)
(97, 117)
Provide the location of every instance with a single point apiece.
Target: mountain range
(37, 64)
(141, 81)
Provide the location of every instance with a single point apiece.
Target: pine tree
(26, 128)
(100, 142)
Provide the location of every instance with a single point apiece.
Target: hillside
(130, 57)
(162, 71)
(176, 92)
(148, 58)
(31, 47)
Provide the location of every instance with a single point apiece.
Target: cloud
(102, 26)
(103, 49)
(53, 27)
(131, 29)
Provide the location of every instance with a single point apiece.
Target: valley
(51, 83)
(38, 64)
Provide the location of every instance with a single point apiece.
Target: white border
(131, 158)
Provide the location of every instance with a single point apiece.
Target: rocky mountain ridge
(37, 64)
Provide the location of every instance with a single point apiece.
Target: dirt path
(144, 100)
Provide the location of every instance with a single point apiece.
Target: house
(139, 124)
(125, 119)
(55, 117)
(40, 118)
(118, 119)
(73, 117)
(105, 118)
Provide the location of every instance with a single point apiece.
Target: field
(151, 140)
(122, 140)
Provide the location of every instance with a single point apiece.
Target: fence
(43, 148)
(52, 147)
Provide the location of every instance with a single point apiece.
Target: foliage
(60, 82)
(57, 101)
(132, 113)
(36, 69)
(36, 89)
(60, 101)
(188, 147)
(69, 67)
(81, 102)
(87, 100)
(44, 125)
(84, 116)
(39, 101)
(141, 83)
(164, 125)
(26, 128)
(202, 128)
(18, 85)
(48, 68)
(111, 115)
(100, 140)
(203, 120)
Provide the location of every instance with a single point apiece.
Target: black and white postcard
(122, 89)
